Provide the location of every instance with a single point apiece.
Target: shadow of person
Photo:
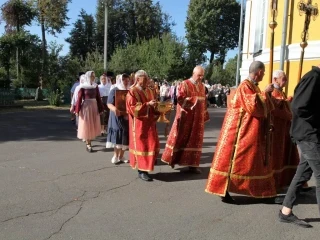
(309, 220)
(181, 174)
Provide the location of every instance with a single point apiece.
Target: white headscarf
(87, 81)
(105, 89)
(76, 91)
(119, 83)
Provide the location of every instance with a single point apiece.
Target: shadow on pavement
(303, 198)
(309, 220)
(181, 174)
(37, 125)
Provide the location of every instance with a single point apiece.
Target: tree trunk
(17, 56)
(211, 58)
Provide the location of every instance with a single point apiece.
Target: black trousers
(309, 153)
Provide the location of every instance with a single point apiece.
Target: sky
(177, 9)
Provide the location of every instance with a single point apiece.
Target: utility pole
(105, 34)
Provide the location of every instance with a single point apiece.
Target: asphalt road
(51, 188)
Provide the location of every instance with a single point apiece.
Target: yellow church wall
(291, 69)
(295, 24)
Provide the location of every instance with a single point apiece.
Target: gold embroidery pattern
(144, 154)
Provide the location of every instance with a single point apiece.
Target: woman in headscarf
(104, 89)
(118, 125)
(88, 107)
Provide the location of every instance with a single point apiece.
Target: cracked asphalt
(51, 188)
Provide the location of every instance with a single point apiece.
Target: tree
(213, 26)
(17, 14)
(52, 17)
(82, 36)
(231, 70)
(130, 21)
(29, 58)
(7, 46)
(163, 58)
(93, 62)
(117, 35)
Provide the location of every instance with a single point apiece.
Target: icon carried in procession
(120, 100)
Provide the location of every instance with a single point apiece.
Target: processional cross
(273, 24)
(310, 11)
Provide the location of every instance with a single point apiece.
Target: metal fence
(7, 96)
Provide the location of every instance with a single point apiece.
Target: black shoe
(195, 170)
(145, 177)
(228, 199)
(291, 218)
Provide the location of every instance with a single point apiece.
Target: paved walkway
(51, 188)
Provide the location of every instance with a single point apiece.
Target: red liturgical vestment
(184, 144)
(143, 136)
(285, 157)
(241, 163)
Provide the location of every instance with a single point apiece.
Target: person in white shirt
(104, 89)
(73, 88)
(75, 98)
(164, 92)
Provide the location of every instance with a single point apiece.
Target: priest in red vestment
(241, 163)
(143, 136)
(184, 144)
(285, 157)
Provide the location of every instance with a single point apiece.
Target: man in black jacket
(305, 132)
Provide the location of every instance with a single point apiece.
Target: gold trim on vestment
(140, 169)
(137, 108)
(183, 149)
(134, 140)
(236, 176)
(138, 153)
(223, 195)
(235, 146)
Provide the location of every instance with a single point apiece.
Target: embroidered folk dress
(184, 144)
(143, 136)
(88, 107)
(241, 163)
(285, 157)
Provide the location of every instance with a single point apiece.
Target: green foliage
(17, 13)
(29, 57)
(226, 75)
(52, 17)
(53, 14)
(231, 69)
(212, 25)
(82, 36)
(130, 21)
(54, 98)
(161, 58)
(93, 62)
